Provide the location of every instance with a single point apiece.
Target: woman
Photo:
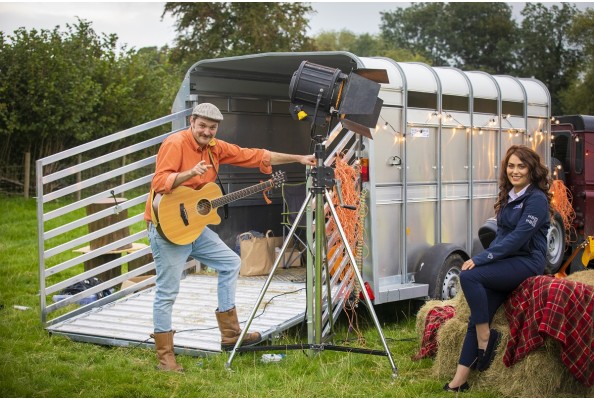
(523, 211)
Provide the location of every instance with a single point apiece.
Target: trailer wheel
(448, 278)
(442, 275)
(555, 245)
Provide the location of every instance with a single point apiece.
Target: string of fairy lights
(446, 119)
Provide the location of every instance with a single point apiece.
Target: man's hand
(308, 160)
(200, 168)
(282, 158)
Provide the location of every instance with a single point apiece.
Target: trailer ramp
(129, 321)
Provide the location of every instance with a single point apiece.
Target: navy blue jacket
(522, 227)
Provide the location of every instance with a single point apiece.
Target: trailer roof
(511, 88)
(536, 91)
(454, 81)
(483, 85)
(579, 122)
(420, 77)
(273, 66)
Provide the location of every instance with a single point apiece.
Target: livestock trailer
(433, 160)
(429, 169)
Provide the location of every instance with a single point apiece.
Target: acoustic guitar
(184, 213)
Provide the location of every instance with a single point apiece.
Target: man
(191, 158)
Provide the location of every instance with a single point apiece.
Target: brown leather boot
(230, 330)
(165, 354)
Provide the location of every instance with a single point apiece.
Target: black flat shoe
(486, 357)
(462, 388)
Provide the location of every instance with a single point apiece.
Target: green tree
(59, 89)
(221, 29)
(417, 29)
(546, 50)
(578, 97)
(46, 90)
(403, 55)
(136, 87)
(368, 45)
(463, 35)
(343, 40)
(364, 45)
(480, 36)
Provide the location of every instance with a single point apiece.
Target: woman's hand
(468, 264)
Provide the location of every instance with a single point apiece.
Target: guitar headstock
(278, 178)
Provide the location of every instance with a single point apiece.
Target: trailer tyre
(555, 245)
(442, 275)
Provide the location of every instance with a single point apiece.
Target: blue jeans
(170, 259)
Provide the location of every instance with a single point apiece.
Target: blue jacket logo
(532, 220)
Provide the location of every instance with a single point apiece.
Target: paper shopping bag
(257, 253)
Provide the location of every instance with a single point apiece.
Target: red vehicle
(572, 159)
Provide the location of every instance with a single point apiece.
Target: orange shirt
(180, 152)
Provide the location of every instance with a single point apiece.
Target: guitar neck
(228, 198)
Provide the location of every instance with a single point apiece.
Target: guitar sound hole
(203, 207)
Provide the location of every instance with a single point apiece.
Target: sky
(139, 24)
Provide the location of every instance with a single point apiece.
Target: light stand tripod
(323, 178)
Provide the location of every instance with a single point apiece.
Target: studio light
(318, 92)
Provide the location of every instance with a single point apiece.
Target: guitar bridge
(183, 214)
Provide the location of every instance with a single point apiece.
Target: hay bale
(449, 344)
(458, 302)
(422, 315)
(586, 276)
(461, 305)
(451, 336)
(540, 374)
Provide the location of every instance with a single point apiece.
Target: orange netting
(561, 202)
(352, 222)
(349, 219)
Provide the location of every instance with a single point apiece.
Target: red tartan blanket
(561, 309)
(435, 318)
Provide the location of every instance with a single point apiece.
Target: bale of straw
(540, 374)
(451, 336)
(421, 317)
(585, 276)
(458, 302)
(449, 344)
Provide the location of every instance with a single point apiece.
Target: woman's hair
(539, 175)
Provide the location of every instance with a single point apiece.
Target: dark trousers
(486, 288)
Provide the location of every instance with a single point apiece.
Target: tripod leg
(328, 278)
(268, 280)
(360, 280)
(320, 234)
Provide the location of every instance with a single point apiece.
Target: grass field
(34, 364)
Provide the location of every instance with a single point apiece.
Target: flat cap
(208, 111)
